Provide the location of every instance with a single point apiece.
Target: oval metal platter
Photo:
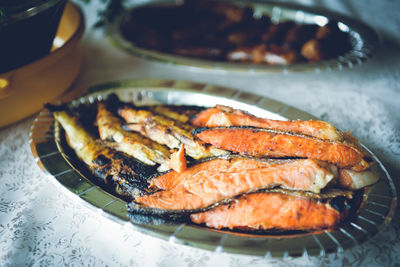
(364, 40)
(49, 152)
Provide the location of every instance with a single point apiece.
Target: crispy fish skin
(131, 143)
(341, 200)
(223, 116)
(179, 113)
(259, 142)
(266, 211)
(82, 142)
(167, 132)
(104, 162)
(201, 186)
(356, 180)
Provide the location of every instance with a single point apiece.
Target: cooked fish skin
(131, 143)
(82, 142)
(266, 211)
(167, 132)
(103, 162)
(353, 180)
(341, 200)
(224, 164)
(182, 114)
(259, 142)
(224, 116)
(204, 186)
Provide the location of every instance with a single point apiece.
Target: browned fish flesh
(182, 114)
(223, 116)
(168, 132)
(105, 163)
(212, 181)
(271, 211)
(353, 180)
(259, 142)
(131, 143)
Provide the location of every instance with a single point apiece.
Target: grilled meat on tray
(236, 172)
(113, 167)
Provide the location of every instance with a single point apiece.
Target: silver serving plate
(364, 39)
(374, 215)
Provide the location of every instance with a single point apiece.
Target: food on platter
(228, 31)
(221, 167)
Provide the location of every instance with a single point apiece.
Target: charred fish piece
(131, 143)
(168, 132)
(103, 162)
(259, 142)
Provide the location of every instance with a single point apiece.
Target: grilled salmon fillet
(268, 143)
(167, 131)
(201, 186)
(223, 116)
(224, 165)
(270, 210)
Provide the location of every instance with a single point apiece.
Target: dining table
(42, 225)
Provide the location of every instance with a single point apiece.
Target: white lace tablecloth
(40, 225)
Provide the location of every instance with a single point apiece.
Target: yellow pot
(23, 91)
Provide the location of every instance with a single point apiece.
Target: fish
(224, 164)
(224, 116)
(258, 142)
(339, 199)
(271, 211)
(131, 143)
(210, 182)
(178, 160)
(182, 113)
(167, 131)
(353, 180)
(105, 163)
(262, 179)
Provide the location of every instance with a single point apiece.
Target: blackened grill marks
(101, 161)
(127, 170)
(141, 170)
(113, 103)
(254, 129)
(102, 172)
(339, 203)
(199, 130)
(86, 115)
